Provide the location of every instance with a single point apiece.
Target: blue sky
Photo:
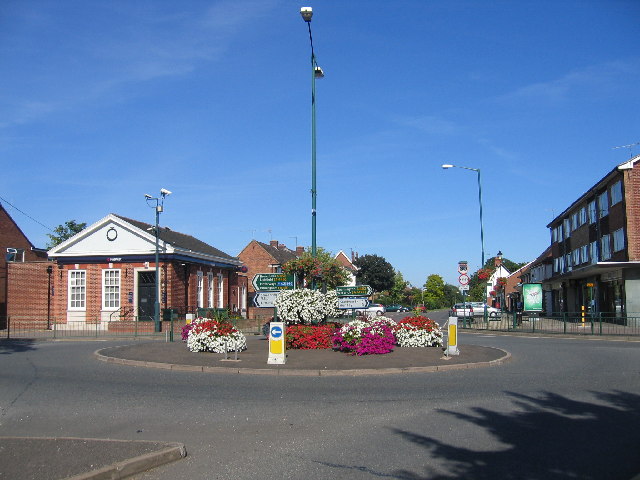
(104, 101)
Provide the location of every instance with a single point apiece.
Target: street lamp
(316, 72)
(159, 207)
(477, 170)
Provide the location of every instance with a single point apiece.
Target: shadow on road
(15, 346)
(551, 437)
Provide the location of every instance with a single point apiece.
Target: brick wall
(632, 199)
(27, 289)
(12, 237)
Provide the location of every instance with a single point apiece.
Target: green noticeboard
(532, 293)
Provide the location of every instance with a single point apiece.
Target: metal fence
(558, 323)
(43, 327)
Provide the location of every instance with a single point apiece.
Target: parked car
(376, 308)
(478, 310)
(396, 308)
(461, 310)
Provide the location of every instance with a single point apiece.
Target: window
(616, 192)
(567, 262)
(584, 253)
(582, 217)
(575, 220)
(210, 290)
(593, 252)
(592, 211)
(199, 290)
(603, 204)
(110, 289)
(15, 255)
(220, 291)
(618, 240)
(575, 257)
(567, 228)
(77, 289)
(605, 247)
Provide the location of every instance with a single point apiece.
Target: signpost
(272, 282)
(347, 303)
(265, 299)
(463, 280)
(354, 291)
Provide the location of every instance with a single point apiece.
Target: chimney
(273, 243)
(282, 246)
(299, 250)
(498, 260)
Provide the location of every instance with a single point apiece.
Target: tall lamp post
(159, 208)
(316, 72)
(484, 287)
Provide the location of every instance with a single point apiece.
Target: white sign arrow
(346, 303)
(265, 299)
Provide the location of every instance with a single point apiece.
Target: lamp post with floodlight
(316, 72)
(159, 208)
(477, 170)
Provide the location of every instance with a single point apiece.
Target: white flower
(210, 340)
(306, 306)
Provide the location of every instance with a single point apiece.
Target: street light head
(307, 13)
(447, 166)
(318, 72)
(147, 196)
(164, 192)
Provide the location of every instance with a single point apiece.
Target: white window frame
(584, 253)
(618, 240)
(593, 211)
(210, 299)
(15, 254)
(199, 289)
(605, 247)
(77, 290)
(567, 227)
(603, 205)
(616, 192)
(593, 252)
(111, 289)
(220, 291)
(582, 216)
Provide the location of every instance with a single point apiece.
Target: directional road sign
(265, 299)
(354, 291)
(346, 303)
(272, 282)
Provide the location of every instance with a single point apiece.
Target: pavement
(97, 459)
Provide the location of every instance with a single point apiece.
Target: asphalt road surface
(560, 409)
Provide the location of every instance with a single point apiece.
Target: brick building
(259, 257)
(348, 264)
(595, 247)
(107, 273)
(15, 248)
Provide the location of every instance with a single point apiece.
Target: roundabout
(176, 356)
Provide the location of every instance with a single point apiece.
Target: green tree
(324, 269)
(397, 294)
(433, 291)
(64, 232)
(376, 272)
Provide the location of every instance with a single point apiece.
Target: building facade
(107, 273)
(595, 248)
(259, 257)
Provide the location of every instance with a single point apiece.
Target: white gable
(110, 236)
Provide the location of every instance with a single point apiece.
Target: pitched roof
(281, 255)
(180, 240)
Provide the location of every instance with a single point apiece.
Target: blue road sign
(276, 332)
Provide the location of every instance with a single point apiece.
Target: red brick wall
(27, 289)
(632, 199)
(257, 260)
(11, 237)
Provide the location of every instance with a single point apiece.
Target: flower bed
(418, 331)
(207, 335)
(366, 337)
(310, 337)
(306, 306)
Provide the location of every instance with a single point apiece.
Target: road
(560, 409)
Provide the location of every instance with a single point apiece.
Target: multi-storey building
(595, 246)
